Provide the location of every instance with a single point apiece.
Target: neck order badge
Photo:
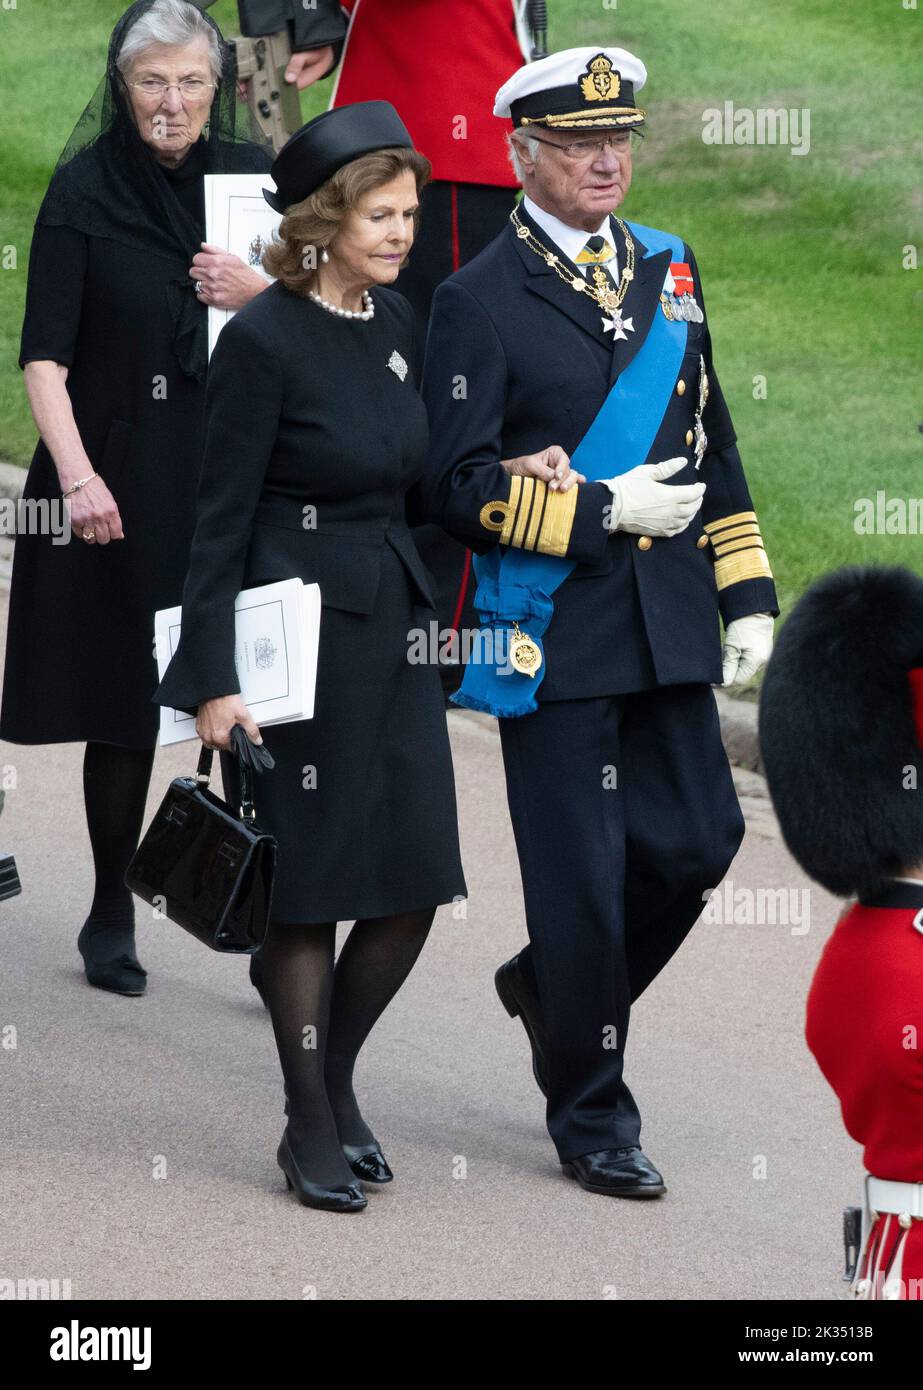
(515, 586)
(608, 296)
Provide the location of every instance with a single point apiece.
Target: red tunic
(440, 63)
(865, 1028)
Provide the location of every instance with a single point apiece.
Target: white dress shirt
(571, 240)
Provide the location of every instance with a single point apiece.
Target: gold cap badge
(600, 82)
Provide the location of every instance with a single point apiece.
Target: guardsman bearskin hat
(841, 728)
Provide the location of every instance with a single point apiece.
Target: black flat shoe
(520, 1001)
(256, 978)
(624, 1172)
(368, 1162)
(109, 960)
(349, 1197)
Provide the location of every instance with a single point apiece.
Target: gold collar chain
(608, 299)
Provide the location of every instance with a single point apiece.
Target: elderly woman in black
(315, 439)
(114, 351)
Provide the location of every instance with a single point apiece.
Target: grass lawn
(801, 255)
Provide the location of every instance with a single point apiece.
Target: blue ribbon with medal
(515, 586)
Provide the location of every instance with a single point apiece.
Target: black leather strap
(246, 809)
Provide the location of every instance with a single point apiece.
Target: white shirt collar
(570, 240)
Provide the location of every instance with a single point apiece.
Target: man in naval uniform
(582, 447)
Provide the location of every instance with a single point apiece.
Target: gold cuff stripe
(749, 528)
(558, 521)
(495, 516)
(533, 517)
(522, 511)
(745, 543)
(512, 507)
(733, 569)
(734, 520)
(535, 520)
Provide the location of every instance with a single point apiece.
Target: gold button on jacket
(681, 388)
(689, 436)
(702, 542)
(645, 542)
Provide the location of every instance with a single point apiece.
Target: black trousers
(625, 815)
(457, 221)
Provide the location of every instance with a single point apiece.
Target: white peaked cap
(576, 88)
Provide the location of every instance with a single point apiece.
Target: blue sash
(515, 585)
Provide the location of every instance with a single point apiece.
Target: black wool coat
(308, 471)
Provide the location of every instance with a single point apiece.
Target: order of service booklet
(277, 630)
(238, 219)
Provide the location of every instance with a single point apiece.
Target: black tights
(322, 1015)
(115, 785)
(303, 989)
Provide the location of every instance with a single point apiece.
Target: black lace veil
(108, 183)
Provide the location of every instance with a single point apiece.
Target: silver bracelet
(82, 482)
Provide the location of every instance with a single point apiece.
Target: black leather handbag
(205, 867)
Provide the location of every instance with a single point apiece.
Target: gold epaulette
(533, 517)
(739, 550)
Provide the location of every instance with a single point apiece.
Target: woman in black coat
(315, 438)
(114, 349)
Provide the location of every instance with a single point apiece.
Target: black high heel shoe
(109, 960)
(348, 1197)
(366, 1160)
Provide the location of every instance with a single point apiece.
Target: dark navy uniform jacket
(517, 360)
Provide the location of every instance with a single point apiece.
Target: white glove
(646, 505)
(747, 645)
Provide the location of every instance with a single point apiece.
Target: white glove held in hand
(646, 505)
(747, 647)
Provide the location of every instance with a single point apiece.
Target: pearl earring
(324, 255)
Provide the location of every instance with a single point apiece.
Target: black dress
(306, 409)
(80, 656)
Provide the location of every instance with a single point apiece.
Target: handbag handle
(203, 774)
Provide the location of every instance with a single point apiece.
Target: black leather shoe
(256, 978)
(348, 1197)
(624, 1172)
(368, 1162)
(520, 1001)
(109, 959)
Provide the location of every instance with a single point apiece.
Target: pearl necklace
(367, 313)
